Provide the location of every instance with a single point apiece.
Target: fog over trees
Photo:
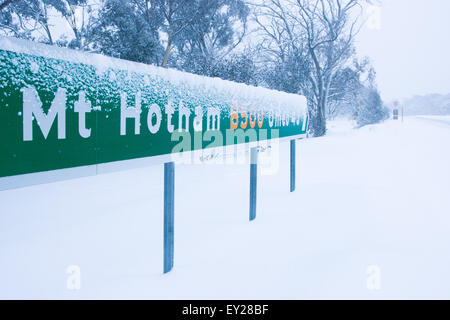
(297, 46)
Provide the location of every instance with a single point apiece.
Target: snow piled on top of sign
(241, 93)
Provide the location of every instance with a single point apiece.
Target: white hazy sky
(411, 50)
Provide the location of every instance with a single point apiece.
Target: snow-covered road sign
(62, 108)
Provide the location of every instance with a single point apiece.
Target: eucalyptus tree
(129, 29)
(220, 26)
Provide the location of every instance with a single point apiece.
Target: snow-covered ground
(371, 203)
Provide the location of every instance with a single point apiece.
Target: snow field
(374, 196)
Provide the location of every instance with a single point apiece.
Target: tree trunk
(317, 118)
(49, 35)
(321, 127)
(317, 126)
(168, 47)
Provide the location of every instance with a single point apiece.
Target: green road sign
(61, 108)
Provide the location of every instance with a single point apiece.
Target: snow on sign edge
(102, 63)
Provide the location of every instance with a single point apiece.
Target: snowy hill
(369, 200)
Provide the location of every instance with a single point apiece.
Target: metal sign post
(253, 181)
(169, 199)
(292, 165)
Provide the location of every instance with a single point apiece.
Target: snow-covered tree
(324, 30)
(208, 41)
(368, 108)
(27, 17)
(129, 29)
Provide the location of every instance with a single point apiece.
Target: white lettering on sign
(170, 111)
(213, 119)
(130, 112)
(32, 105)
(82, 106)
(32, 110)
(271, 118)
(198, 120)
(183, 112)
(154, 110)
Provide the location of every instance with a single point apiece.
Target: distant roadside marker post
(66, 114)
(395, 114)
(395, 111)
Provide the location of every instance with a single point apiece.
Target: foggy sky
(411, 50)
